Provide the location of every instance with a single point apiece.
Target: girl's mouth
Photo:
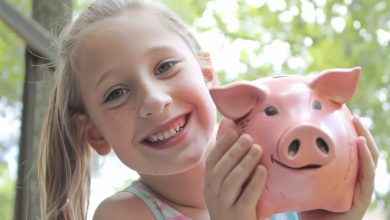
(169, 133)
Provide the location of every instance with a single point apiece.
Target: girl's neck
(183, 189)
(183, 192)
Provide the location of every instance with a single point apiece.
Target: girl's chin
(178, 169)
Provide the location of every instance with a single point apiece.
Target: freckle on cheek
(124, 114)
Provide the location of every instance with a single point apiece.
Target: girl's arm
(368, 157)
(232, 163)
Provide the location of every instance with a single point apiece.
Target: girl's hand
(234, 179)
(368, 158)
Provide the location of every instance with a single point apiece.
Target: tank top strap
(285, 216)
(160, 210)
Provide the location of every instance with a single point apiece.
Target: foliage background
(250, 39)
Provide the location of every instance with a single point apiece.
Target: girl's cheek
(125, 112)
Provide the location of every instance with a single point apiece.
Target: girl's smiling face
(146, 94)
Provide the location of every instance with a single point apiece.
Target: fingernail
(260, 170)
(254, 151)
(244, 140)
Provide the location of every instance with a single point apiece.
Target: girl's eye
(115, 94)
(271, 111)
(165, 66)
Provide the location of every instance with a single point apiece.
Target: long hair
(64, 158)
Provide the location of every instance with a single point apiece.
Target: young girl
(133, 79)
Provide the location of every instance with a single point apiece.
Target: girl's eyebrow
(105, 74)
(160, 48)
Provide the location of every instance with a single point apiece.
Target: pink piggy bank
(307, 136)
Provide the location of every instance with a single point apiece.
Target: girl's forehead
(124, 36)
(129, 26)
(129, 29)
(133, 19)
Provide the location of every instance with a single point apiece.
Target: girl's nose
(154, 102)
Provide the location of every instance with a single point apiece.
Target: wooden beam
(37, 38)
(38, 81)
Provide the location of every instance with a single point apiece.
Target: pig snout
(304, 146)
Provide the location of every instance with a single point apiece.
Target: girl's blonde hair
(64, 160)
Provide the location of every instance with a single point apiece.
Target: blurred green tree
(7, 189)
(11, 89)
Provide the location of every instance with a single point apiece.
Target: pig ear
(339, 85)
(237, 99)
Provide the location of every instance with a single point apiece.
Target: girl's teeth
(164, 136)
(167, 134)
(177, 128)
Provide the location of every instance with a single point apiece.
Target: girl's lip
(166, 126)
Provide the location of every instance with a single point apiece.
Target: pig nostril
(322, 146)
(293, 148)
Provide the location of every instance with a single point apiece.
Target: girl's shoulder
(122, 206)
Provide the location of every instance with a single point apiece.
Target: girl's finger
(363, 131)
(252, 192)
(221, 146)
(366, 173)
(229, 160)
(232, 185)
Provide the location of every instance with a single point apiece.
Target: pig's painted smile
(309, 166)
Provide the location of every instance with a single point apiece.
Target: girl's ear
(208, 71)
(209, 76)
(92, 135)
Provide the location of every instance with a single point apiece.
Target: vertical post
(52, 15)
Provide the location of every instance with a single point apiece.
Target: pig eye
(317, 105)
(271, 111)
